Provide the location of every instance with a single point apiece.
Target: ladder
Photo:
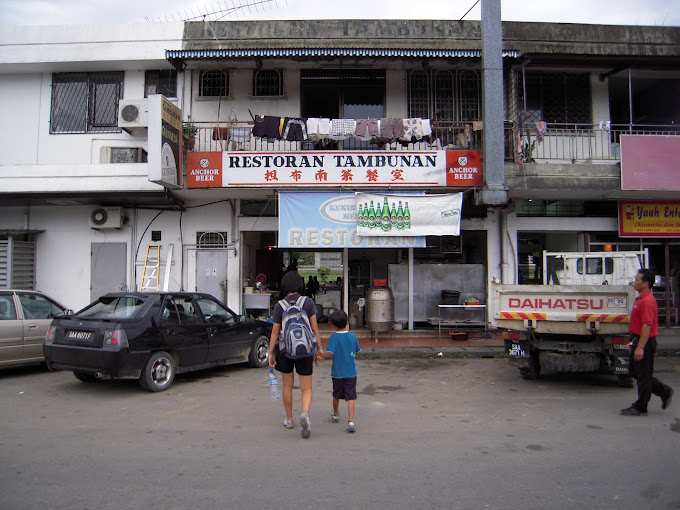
(151, 268)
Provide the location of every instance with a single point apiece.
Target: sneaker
(665, 402)
(350, 426)
(334, 417)
(305, 426)
(633, 411)
(289, 424)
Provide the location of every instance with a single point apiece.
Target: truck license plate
(517, 348)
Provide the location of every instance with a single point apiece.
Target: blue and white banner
(329, 220)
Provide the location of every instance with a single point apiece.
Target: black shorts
(303, 366)
(345, 389)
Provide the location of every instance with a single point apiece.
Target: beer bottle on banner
(360, 217)
(378, 215)
(400, 217)
(407, 217)
(386, 222)
(393, 216)
(371, 216)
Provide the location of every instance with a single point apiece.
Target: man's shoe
(350, 426)
(633, 411)
(665, 402)
(334, 417)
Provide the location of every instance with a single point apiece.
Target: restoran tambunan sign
(396, 169)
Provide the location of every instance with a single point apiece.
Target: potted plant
(188, 136)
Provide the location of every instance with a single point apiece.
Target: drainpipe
(494, 191)
(504, 246)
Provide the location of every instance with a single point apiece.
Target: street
(431, 433)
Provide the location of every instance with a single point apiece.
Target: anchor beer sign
(464, 168)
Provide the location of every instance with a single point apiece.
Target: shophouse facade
(84, 190)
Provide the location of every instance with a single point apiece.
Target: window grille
(558, 98)
(445, 95)
(85, 102)
(160, 82)
(211, 239)
(330, 259)
(268, 83)
(213, 84)
(557, 208)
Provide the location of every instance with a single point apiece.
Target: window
(594, 265)
(268, 83)
(558, 98)
(213, 84)
(211, 239)
(445, 94)
(160, 82)
(85, 102)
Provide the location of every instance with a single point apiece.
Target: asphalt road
(431, 433)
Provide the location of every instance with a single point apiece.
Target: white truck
(577, 321)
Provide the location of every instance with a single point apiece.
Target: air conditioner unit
(122, 155)
(106, 217)
(133, 114)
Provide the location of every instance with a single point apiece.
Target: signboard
(329, 220)
(650, 218)
(165, 143)
(408, 215)
(650, 162)
(397, 169)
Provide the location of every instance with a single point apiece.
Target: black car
(153, 336)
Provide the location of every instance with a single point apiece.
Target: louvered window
(445, 95)
(85, 102)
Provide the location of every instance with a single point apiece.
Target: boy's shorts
(345, 389)
(303, 366)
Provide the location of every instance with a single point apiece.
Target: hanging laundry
(541, 128)
(410, 129)
(220, 133)
(295, 130)
(462, 140)
(318, 129)
(392, 127)
(240, 134)
(426, 127)
(267, 127)
(342, 129)
(477, 125)
(367, 129)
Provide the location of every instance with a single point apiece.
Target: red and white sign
(464, 168)
(397, 169)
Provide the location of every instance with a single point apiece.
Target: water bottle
(274, 386)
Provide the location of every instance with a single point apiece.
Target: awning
(325, 52)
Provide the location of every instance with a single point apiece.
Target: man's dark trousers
(642, 372)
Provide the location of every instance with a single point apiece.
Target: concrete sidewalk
(426, 343)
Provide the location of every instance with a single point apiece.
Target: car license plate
(80, 336)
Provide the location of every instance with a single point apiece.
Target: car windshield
(113, 307)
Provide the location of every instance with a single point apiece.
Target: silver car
(25, 316)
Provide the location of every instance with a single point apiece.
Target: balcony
(561, 143)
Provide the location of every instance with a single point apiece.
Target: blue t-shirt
(344, 346)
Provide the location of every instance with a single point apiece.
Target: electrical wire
(468, 11)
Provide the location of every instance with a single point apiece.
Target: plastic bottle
(274, 386)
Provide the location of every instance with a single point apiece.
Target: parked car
(152, 337)
(25, 316)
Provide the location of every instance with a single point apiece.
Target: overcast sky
(610, 12)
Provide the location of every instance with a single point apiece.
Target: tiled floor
(416, 338)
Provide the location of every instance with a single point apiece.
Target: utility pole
(494, 191)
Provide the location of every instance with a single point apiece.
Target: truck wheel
(533, 370)
(625, 381)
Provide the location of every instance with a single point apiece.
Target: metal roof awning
(326, 52)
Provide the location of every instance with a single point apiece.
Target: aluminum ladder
(151, 268)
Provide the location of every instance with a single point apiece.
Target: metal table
(459, 323)
(258, 301)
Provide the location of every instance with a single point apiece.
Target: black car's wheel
(258, 354)
(158, 373)
(85, 377)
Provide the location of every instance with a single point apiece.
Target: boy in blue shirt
(343, 346)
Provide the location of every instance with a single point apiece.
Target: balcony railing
(566, 143)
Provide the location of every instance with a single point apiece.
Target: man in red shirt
(643, 328)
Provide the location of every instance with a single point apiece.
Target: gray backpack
(297, 338)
